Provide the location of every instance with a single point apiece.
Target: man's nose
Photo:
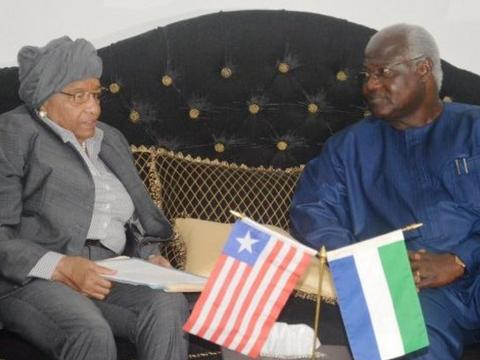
(372, 83)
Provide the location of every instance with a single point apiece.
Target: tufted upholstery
(254, 87)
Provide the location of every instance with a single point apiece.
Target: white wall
(454, 23)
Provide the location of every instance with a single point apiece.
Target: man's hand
(159, 260)
(434, 270)
(84, 276)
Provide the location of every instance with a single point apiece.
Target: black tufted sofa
(253, 87)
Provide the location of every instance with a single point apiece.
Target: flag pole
(412, 227)
(237, 214)
(323, 259)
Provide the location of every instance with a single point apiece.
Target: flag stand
(323, 260)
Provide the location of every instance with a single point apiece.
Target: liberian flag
(248, 287)
(377, 297)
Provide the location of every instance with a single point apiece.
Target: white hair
(419, 43)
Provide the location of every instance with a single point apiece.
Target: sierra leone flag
(377, 297)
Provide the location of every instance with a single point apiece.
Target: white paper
(140, 272)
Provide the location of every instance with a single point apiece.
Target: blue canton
(245, 243)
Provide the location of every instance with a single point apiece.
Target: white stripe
(272, 300)
(212, 296)
(379, 303)
(281, 236)
(227, 298)
(375, 242)
(257, 297)
(244, 292)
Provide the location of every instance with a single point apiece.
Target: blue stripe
(353, 307)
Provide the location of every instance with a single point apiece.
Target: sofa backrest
(260, 87)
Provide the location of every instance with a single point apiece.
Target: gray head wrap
(44, 71)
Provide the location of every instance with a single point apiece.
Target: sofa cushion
(192, 189)
(204, 241)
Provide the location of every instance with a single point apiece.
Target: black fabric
(323, 54)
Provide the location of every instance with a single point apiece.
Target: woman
(68, 190)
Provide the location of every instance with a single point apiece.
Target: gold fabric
(187, 187)
(204, 241)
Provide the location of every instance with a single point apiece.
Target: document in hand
(140, 272)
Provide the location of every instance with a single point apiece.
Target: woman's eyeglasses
(81, 97)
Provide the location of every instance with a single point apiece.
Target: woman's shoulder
(112, 134)
(19, 121)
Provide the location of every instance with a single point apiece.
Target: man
(415, 160)
(68, 190)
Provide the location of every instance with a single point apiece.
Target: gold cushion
(204, 241)
(201, 189)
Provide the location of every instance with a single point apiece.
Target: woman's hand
(159, 260)
(84, 275)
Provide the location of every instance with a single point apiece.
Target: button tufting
(342, 75)
(219, 147)
(253, 108)
(134, 116)
(282, 145)
(283, 68)
(226, 72)
(114, 88)
(167, 80)
(194, 113)
(312, 108)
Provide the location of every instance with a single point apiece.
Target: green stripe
(399, 277)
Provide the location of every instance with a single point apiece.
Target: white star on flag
(246, 243)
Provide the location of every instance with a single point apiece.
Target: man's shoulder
(362, 130)
(461, 109)
(462, 116)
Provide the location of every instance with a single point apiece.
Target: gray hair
(419, 42)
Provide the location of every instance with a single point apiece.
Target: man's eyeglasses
(385, 72)
(81, 97)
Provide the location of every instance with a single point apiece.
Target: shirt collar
(93, 144)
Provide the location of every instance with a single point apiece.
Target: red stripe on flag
(267, 295)
(264, 268)
(218, 299)
(198, 308)
(228, 311)
(302, 266)
(241, 302)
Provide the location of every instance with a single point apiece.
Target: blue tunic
(372, 178)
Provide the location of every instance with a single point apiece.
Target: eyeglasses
(386, 72)
(81, 97)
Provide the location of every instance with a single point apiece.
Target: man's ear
(425, 68)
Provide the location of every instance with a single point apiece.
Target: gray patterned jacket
(47, 195)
